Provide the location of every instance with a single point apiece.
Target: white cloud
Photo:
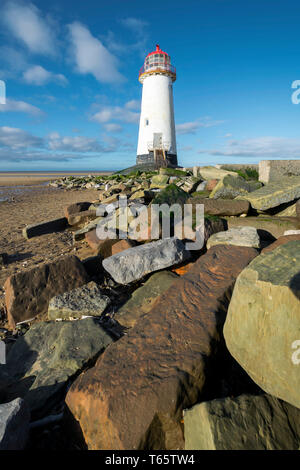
(193, 126)
(117, 113)
(74, 144)
(133, 104)
(112, 127)
(27, 24)
(16, 139)
(20, 106)
(91, 56)
(37, 75)
(259, 147)
(135, 24)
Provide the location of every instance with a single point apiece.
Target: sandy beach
(29, 203)
(29, 179)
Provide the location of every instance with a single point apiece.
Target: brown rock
(181, 270)
(211, 184)
(77, 207)
(280, 241)
(222, 207)
(101, 247)
(27, 293)
(134, 396)
(298, 209)
(81, 217)
(122, 245)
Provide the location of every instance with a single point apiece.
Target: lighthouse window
(146, 122)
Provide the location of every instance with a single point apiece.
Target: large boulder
(263, 321)
(211, 172)
(275, 226)
(171, 195)
(221, 207)
(42, 228)
(239, 236)
(159, 181)
(40, 363)
(87, 300)
(14, 425)
(246, 422)
(273, 194)
(134, 263)
(143, 298)
(134, 396)
(281, 241)
(274, 170)
(232, 186)
(27, 293)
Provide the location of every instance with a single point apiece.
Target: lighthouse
(157, 137)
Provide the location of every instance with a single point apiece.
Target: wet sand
(33, 204)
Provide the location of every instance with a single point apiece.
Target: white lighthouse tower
(157, 138)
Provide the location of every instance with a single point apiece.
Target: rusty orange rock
(134, 396)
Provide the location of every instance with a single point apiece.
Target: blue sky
(73, 96)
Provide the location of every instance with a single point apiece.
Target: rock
(202, 186)
(274, 194)
(181, 270)
(27, 293)
(275, 170)
(76, 207)
(290, 211)
(159, 181)
(87, 300)
(14, 425)
(172, 172)
(298, 208)
(211, 184)
(188, 184)
(134, 263)
(276, 226)
(41, 362)
(101, 247)
(80, 234)
(211, 172)
(134, 396)
(82, 217)
(143, 298)
(142, 194)
(292, 232)
(221, 207)
(171, 195)
(121, 246)
(232, 186)
(246, 422)
(263, 321)
(239, 236)
(49, 226)
(281, 241)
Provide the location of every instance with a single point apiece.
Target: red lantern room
(157, 62)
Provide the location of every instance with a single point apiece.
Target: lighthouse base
(148, 158)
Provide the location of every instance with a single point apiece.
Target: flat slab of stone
(28, 293)
(221, 207)
(81, 217)
(133, 264)
(238, 236)
(14, 425)
(274, 193)
(246, 422)
(263, 321)
(232, 186)
(276, 226)
(42, 228)
(87, 300)
(41, 362)
(134, 396)
(143, 298)
(211, 172)
(272, 170)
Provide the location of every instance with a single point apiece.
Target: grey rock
(134, 263)
(87, 300)
(246, 422)
(40, 363)
(272, 170)
(239, 236)
(14, 425)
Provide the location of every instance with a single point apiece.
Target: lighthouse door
(159, 154)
